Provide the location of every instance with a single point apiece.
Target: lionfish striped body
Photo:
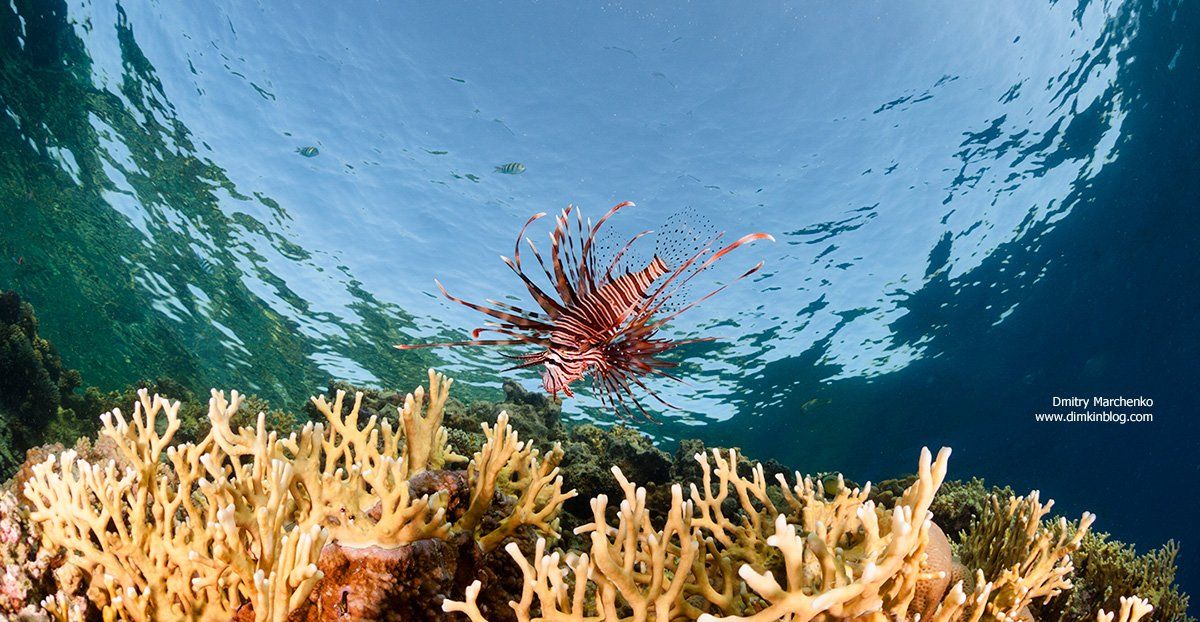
(598, 323)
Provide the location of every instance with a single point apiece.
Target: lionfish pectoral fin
(659, 372)
(527, 361)
(517, 367)
(613, 210)
(660, 322)
(680, 270)
(621, 253)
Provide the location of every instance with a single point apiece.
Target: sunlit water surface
(977, 207)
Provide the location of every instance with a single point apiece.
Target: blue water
(978, 206)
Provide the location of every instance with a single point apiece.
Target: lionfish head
(556, 380)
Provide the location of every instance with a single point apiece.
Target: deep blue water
(978, 206)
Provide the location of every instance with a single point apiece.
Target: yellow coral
(645, 568)
(195, 531)
(505, 463)
(828, 555)
(847, 564)
(1024, 558)
(424, 437)
(191, 537)
(354, 481)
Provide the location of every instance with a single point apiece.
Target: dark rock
(453, 483)
(590, 452)
(534, 416)
(686, 468)
(464, 443)
(626, 448)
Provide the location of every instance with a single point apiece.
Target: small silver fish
(308, 152)
(512, 168)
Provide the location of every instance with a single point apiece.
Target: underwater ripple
(976, 208)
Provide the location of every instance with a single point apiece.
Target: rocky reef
(39, 397)
(374, 511)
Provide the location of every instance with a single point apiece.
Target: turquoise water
(976, 207)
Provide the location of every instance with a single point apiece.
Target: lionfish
(600, 320)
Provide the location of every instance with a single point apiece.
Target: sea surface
(978, 207)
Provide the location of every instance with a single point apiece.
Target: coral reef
(26, 567)
(38, 395)
(1022, 558)
(241, 522)
(589, 451)
(374, 512)
(816, 556)
(180, 538)
(1106, 569)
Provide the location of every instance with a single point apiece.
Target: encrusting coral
(369, 519)
(25, 568)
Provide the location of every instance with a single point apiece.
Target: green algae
(140, 253)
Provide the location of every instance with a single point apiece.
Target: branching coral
(246, 521)
(354, 481)
(743, 539)
(1106, 569)
(511, 466)
(632, 571)
(1023, 558)
(197, 530)
(739, 550)
(842, 558)
(185, 532)
(636, 565)
(424, 437)
(846, 558)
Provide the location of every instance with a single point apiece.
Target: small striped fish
(308, 152)
(512, 168)
(597, 319)
(206, 266)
